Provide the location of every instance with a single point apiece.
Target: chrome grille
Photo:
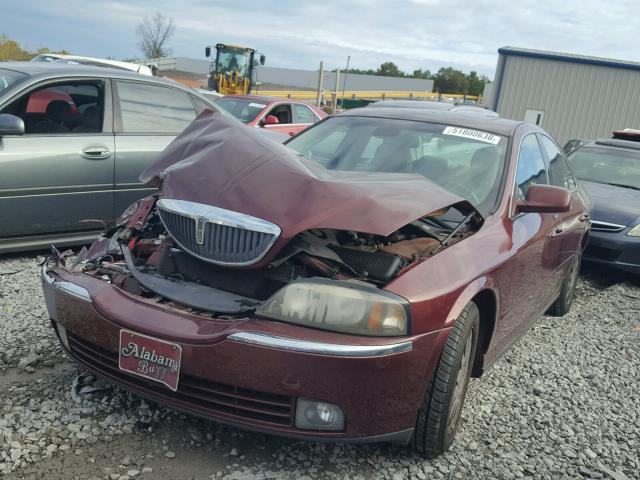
(606, 227)
(217, 235)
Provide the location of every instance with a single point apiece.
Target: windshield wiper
(623, 185)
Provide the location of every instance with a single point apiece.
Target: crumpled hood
(221, 162)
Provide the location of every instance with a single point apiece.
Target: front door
(60, 171)
(283, 113)
(527, 282)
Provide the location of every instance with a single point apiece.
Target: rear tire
(440, 413)
(563, 303)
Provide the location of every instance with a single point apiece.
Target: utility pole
(320, 81)
(335, 93)
(344, 82)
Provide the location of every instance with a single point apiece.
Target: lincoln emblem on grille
(216, 235)
(200, 223)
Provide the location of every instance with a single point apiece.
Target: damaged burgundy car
(342, 287)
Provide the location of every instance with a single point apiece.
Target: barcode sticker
(472, 134)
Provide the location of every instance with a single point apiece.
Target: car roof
(426, 104)
(56, 69)
(501, 126)
(255, 98)
(612, 144)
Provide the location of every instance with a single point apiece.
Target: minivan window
(531, 168)
(153, 108)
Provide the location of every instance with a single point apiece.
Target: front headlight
(635, 231)
(339, 306)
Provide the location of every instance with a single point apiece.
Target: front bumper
(614, 249)
(249, 372)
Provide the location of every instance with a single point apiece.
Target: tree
(426, 74)
(389, 69)
(11, 50)
(475, 83)
(450, 80)
(154, 33)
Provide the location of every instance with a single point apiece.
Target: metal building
(275, 78)
(570, 96)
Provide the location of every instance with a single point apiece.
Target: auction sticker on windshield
(257, 105)
(150, 358)
(472, 134)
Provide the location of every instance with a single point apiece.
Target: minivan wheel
(440, 413)
(562, 305)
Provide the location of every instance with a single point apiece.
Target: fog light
(312, 415)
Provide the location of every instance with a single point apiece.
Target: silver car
(73, 140)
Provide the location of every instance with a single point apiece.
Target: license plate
(150, 358)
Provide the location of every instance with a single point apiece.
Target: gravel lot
(563, 403)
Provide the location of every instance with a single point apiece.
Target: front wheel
(440, 413)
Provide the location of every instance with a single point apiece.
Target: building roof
(569, 57)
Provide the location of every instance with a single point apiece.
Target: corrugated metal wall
(578, 100)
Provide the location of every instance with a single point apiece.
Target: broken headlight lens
(340, 307)
(635, 231)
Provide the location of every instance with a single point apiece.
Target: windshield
(604, 165)
(8, 78)
(231, 59)
(243, 109)
(464, 161)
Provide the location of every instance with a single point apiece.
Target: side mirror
(262, 59)
(270, 120)
(11, 125)
(207, 52)
(571, 145)
(545, 199)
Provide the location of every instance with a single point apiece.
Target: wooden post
(320, 81)
(337, 90)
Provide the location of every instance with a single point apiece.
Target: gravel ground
(563, 403)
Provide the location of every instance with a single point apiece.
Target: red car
(342, 287)
(284, 116)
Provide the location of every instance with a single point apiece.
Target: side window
(149, 108)
(559, 173)
(531, 168)
(64, 108)
(282, 113)
(201, 105)
(303, 114)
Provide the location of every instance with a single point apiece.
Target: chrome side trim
(69, 288)
(319, 348)
(218, 215)
(606, 226)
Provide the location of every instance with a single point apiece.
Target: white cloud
(413, 33)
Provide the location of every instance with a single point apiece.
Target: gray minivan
(73, 140)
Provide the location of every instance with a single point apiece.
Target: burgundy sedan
(342, 287)
(283, 116)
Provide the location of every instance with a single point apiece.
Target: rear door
(148, 117)
(61, 170)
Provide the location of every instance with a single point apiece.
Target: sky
(426, 34)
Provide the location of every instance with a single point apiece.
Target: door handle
(555, 232)
(96, 152)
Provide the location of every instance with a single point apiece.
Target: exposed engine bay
(141, 257)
